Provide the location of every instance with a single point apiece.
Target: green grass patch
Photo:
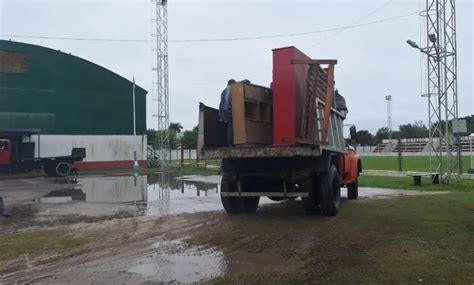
(407, 183)
(190, 170)
(409, 163)
(14, 245)
(407, 240)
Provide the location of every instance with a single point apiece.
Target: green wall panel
(64, 94)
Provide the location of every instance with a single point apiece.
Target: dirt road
(387, 240)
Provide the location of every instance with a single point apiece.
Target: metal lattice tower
(161, 69)
(442, 85)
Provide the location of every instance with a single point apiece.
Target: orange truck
(287, 140)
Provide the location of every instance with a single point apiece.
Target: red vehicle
(306, 154)
(17, 155)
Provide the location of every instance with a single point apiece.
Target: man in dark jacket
(225, 112)
(340, 103)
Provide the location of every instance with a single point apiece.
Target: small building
(74, 103)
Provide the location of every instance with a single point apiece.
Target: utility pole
(161, 68)
(441, 57)
(388, 98)
(135, 161)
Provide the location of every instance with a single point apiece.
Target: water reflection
(157, 194)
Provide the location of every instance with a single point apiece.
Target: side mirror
(353, 134)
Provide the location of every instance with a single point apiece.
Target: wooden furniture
(251, 114)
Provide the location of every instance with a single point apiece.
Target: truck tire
(353, 190)
(311, 203)
(330, 192)
(62, 169)
(249, 204)
(237, 205)
(230, 203)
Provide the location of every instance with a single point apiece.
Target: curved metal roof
(61, 93)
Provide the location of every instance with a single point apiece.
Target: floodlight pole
(441, 56)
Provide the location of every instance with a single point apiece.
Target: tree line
(188, 138)
(177, 137)
(406, 131)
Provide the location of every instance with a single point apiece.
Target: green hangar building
(74, 103)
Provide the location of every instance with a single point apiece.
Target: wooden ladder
(320, 83)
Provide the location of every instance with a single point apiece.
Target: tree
(364, 137)
(189, 139)
(154, 138)
(177, 127)
(416, 130)
(151, 136)
(381, 134)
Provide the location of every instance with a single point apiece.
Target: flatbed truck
(19, 156)
(308, 156)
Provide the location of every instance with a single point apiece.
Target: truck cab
(5, 152)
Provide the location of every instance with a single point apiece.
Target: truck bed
(266, 151)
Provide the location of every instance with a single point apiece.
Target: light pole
(441, 112)
(471, 138)
(389, 120)
(135, 161)
(441, 75)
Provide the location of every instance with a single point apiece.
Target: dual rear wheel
(237, 205)
(324, 193)
(58, 169)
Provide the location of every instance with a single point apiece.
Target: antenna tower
(442, 86)
(160, 18)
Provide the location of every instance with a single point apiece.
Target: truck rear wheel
(230, 204)
(62, 169)
(311, 203)
(58, 169)
(330, 192)
(353, 190)
(237, 205)
(249, 204)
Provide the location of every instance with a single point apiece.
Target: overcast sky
(373, 60)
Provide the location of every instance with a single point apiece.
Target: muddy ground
(171, 229)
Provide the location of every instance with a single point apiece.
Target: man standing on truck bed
(225, 112)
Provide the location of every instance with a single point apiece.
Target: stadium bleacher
(419, 145)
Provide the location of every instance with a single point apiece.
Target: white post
(135, 161)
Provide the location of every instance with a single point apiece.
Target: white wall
(98, 147)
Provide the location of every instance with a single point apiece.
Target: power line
(216, 39)
(378, 8)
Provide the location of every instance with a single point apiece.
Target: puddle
(151, 195)
(143, 195)
(174, 262)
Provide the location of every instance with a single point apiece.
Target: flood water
(156, 195)
(151, 195)
(179, 263)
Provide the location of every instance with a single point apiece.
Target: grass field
(409, 163)
(409, 240)
(407, 183)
